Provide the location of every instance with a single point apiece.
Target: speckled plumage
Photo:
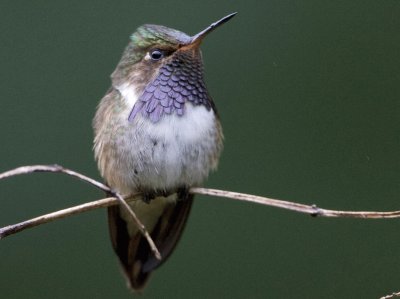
(156, 132)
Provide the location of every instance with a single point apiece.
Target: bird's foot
(148, 196)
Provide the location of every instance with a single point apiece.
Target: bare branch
(140, 225)
(53, 168)
(312, 210)
(67, 212)
(393, 295)
(15, 228)
(107, 202)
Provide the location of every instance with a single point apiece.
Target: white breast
(173, 152)
(141, 155)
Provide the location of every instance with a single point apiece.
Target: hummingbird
(157, 133)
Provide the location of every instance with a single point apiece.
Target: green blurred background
(308, 93)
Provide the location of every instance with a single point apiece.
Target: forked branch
(116, 198)
(12, 229)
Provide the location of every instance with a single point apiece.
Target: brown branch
(15, 228)
(312, 210)
(64, 213)
(53, 168)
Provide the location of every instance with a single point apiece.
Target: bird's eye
(156, 54)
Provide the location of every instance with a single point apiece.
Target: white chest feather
(176, 151)
(129, 94)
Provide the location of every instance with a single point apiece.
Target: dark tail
(134, 252)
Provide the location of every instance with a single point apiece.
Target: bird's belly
(177, 151)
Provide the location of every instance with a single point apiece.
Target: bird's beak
(196, 39)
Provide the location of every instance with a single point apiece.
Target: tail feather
(134, 253)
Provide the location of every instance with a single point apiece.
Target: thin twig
(110, 201)
(59, 169)
(53, 168)
(393, 295)
(312, 210)
(15, 228)
(140, 225)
